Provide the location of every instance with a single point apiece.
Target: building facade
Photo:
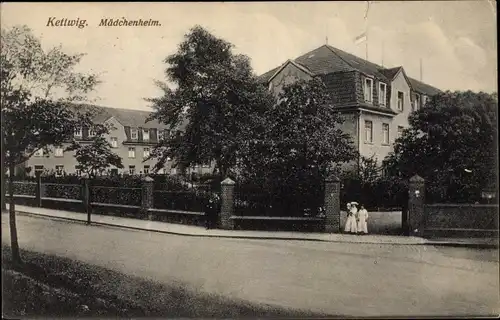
(375, 102)
(131, 138)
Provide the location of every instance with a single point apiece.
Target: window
(165, 171)
(145, 135)
(78, 132)
(38, 168)
(146, 153)
(368, 91)
(368, 131)
(400, 131)
(131, 169)
(114, 172)
(424, 100)
(416, 102)
(59, 170)
(131, 152)
(385, 133)
(134, 134)
(401, 100)
(382, 93)
(78, 170)
(92, 133)
(59, 152)
(38, 153)
(114, 142)
(146, 169)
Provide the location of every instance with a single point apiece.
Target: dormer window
(382, 93)
(134, 134)
(145, 135)
(368, 90)
(92, 133)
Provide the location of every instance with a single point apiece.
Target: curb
(426, 242)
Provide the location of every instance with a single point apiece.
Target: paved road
(342, 279)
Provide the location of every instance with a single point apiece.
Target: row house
(374, 101)
(131, 138)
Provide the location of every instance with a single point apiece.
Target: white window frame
(78, 170)
(114, 142)
(371, 131)
(400, 131)
(402, 101)
(59, 152)
(382, 100)
(62, 169)
(145, 135)
(424, 99)
(371, 89)
(417, 102)
(134, 132)
(145, 153)
(131, 169)
(146, 169)
(386, 135)
(131, 152)
(78, 132)
(92, 133)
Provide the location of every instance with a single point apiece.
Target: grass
(51, 286)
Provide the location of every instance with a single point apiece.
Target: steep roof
(327, 59)
(126, 117)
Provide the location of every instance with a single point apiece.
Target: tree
(217, 103)
(97, 156)
(301, 139)
(36, 87)
(452, 144)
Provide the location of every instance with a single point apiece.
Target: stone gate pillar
(416, 205)
(332, 204)
(147, 196)
(227, 205)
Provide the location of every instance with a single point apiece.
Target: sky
(455, 40)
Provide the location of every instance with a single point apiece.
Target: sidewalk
(185, 230)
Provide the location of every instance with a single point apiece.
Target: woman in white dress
(350, 225)
(362, 220)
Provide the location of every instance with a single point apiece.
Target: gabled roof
(301, 67)
(327, 59)
(391, 73)
(126, 117)
(421, 87)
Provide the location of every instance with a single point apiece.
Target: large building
(132, 138)
(374, 101)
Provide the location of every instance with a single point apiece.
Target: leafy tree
(451, 143)
(301, 140)
(35, 89)
(97, 156)
(216, 103)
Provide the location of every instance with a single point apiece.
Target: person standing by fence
(211, 211)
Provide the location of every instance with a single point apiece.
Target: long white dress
(350, 225)
(362, 224)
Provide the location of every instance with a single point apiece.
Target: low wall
(465, 220)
